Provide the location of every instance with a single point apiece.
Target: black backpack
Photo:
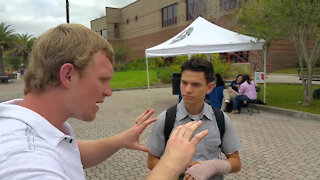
(171, 117)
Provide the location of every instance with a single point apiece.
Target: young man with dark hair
(196, 82)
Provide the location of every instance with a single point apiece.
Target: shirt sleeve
(230, 140)
(255, 84)
(156, 140)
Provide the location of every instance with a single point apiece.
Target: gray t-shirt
(208, 148)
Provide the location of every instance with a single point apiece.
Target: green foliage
(121, 52)
(137, 64)
(13, 62)
(221, 66)
(164, 71)
(178, 60)
(23, 46)
(297, 20)
(7, 37)
(119, 67)
(164, 74)
(140, 64)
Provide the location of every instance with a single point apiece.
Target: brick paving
(274, 146)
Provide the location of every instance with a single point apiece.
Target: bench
(4, 78)
(315, 74)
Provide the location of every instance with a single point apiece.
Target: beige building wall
(140, 27)
(98, 24)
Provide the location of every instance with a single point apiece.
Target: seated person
(216, 95)
(231, 92)
(247, 93)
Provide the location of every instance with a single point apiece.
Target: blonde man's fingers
(197, 138)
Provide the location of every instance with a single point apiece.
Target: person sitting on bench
(247, 93)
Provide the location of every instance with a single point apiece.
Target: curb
(289, 112)
(143, 87)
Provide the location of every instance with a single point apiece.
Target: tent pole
(265, 72)
(147, 66)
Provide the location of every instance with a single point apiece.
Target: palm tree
(24, 43)
(6, 38)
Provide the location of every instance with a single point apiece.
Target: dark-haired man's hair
(219, 80)
(199, 64)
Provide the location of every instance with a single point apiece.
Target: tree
(6, 39)
(23, 46)
(12, 61)
(121, 52)
(296, 20)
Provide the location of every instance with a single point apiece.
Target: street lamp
(67, 10)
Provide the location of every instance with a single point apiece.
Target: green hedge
(164, 69)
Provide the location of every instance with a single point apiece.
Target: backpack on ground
(171, 117)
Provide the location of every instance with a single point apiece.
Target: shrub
(221, 66)
(137, 64)
(13, 62)
(140, 64)
(165, 74)
(156, 63)
(178, 60)
(119, 67)
(121, 52)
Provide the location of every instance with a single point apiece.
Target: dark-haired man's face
(194, 87)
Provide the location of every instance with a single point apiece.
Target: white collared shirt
(32, 148)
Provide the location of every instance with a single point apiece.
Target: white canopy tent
(204, 37)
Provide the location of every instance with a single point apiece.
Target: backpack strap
(171, 117)
(220, 121)
(169, 122)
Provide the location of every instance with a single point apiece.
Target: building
(146, 23)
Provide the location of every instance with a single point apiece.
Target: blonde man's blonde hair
(66, 43)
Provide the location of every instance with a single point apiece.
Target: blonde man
(69, 74)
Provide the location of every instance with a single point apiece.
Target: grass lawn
(288, 96)
(127, 79)
(278, 95)
(290, 71)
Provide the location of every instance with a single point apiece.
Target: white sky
(36, 16)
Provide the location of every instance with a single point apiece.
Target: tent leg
(147, 67)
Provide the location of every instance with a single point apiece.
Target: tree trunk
(308, 90)
(1, 61)
(25, 61)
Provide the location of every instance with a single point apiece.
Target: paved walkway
(286, 78)
(274, 146)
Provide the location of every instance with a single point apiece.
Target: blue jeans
(238, 100)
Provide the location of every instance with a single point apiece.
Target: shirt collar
(40, 125)
(182, 111)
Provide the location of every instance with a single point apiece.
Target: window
(127, 21)
(226, 5)
(103, 33)
(136, 18)
(196, 8)
(169, 15)
(116, 30)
